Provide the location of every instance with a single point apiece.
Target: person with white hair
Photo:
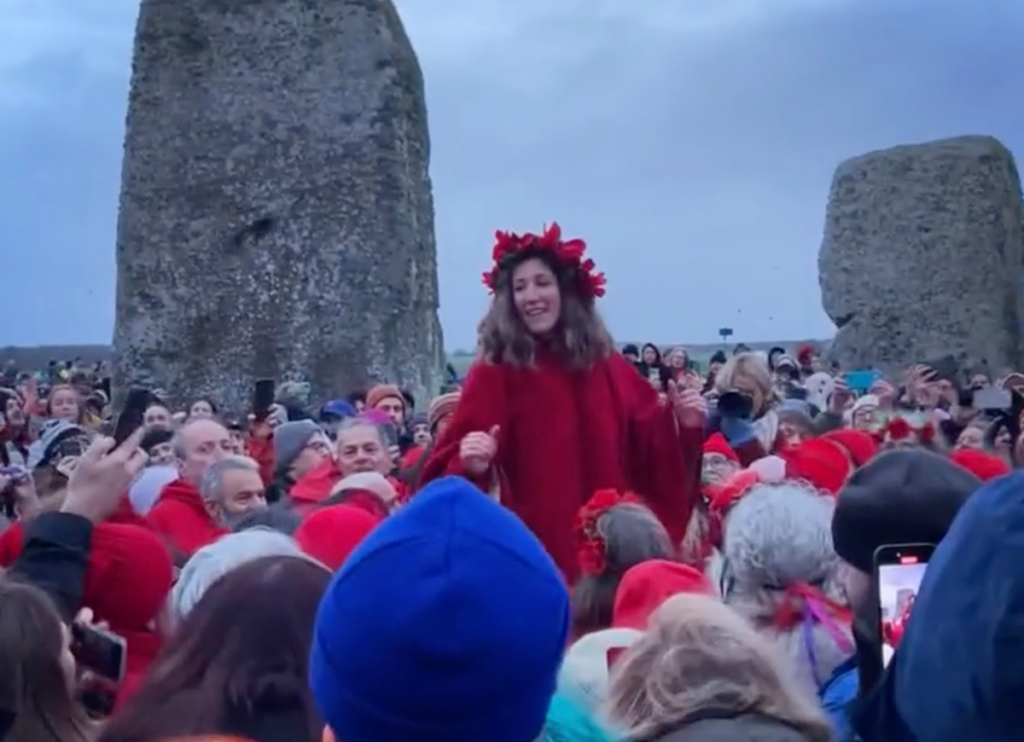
(231, 489)
(212, 562)
(745, 410)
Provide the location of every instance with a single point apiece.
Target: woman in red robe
(551, 412)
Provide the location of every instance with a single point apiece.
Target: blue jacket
(957, 673)
(837, 697)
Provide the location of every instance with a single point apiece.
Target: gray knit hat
(53, 432)
(289, 440)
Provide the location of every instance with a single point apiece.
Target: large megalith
(276, 216)
(923, 256)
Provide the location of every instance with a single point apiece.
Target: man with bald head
(180, 515)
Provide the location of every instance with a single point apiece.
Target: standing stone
(923, 256)
(276, 217)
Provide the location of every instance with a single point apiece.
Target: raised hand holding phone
(103, 475)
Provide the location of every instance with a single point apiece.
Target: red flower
(569, 253)
(590, 553)
(573, 250)
(899, 429)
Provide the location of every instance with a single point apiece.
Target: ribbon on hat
(803, 605)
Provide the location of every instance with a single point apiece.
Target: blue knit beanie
(447, 624)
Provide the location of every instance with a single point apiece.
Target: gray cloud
(691, 143)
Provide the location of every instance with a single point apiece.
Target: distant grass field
(36, 358)
(699, 353)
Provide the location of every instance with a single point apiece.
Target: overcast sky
(691, 142)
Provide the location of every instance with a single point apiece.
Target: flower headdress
(899, 429)
(507, 245)
(590, 542)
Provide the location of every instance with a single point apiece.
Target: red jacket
(260, 448)
(316, 486)
(565, 434)
(180, 516)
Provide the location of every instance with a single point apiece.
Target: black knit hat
(900, 497)
(154, 437)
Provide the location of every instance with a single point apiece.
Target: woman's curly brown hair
(581, 335)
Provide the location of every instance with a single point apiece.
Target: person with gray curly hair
(781, 572)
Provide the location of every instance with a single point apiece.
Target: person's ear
(328, 735)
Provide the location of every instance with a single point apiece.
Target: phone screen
(99, 651)
(262, 398)
(899, 571)
(993, 399)
(131, 417)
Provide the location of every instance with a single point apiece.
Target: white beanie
(225, 554)
(585, 675)
(146, 489)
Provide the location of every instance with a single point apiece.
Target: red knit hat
(128, 576)
(861, 445)
(330, 534)
(718, 444)
(981, 464)
(645, 586)
(805, 353)
(821, 462)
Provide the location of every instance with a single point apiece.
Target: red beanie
(717, 444)
(128, 576)
(861, 446)
(647, 585)
(983, 465)
(330, 534)
(821, 462)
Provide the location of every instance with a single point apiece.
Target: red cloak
(565, 434)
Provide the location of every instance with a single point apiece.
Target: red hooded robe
(565, 434)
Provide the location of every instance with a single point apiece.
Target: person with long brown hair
(550, 412)
(237, 664)
(37, 679)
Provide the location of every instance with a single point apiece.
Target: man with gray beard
(232, 489)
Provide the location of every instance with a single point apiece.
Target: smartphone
(653, 374)
(102, 652)
(860, 381)
(993, 399)
(132, 415)
(899, 569)
(262, 398)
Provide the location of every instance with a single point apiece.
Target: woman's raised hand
(690, 407)
(477, 451)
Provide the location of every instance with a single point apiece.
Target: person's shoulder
(745, 727)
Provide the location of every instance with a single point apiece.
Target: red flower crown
(590, 543)
(569, 253)
(900, 429)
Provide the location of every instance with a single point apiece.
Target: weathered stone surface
(276, 211)
(923, 256)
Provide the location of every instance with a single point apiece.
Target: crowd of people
(576, 542)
